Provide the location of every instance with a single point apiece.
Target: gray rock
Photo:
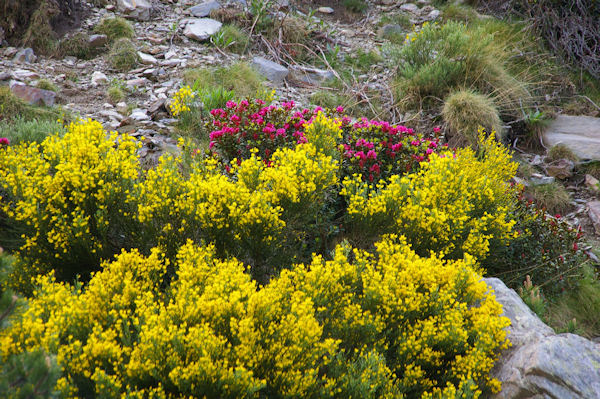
(561, 168)
(270, 70)
(592, 183)
(409, 7)
(201, 28)
(24, 75)
(541, 364)
(95, 41)
(433, 15)
(139, 114)
(389, 30)
(147, 59)
(579, 133)
(99, 78)
(204, 9)
(4, 76)
(136, 9)
(539, 180)
(594, 214)
(25, 55)
(33, 95)
(311, 76)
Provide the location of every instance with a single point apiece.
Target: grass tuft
(123, 55)
(553, 197)
(115, 28)
(465, 111)
(239, 77)
(561, 151)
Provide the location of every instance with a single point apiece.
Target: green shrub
(123, 55)
(439, 59)
(357, 6)
(545, 248)
(76, 46)
(115, 28)
(46, 84)
(239, 77)
(232, 38)
(20, 130)
(465, 111)
(387, 324)
(115, 94)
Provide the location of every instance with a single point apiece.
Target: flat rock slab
(136, 9)
(201, 28)
(541, 364)
(579, 133)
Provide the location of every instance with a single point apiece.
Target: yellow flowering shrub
(73, 195)
(181, 101)
(387, 324)
(254, 212)
(456, 204)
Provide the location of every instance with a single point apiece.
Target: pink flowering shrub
(4, 142)
(378, 150)
(374, 149)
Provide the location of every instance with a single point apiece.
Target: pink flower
(339, 109)
(429, 151)
(230, 104)
(437, 129)
(4, 141)
(374, 168)
(371, 154)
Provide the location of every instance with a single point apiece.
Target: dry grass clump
(115, 28)
(553, 197)
(561, 151)
(465, 111)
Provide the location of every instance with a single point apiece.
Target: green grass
(561, 151)
(12, 107)
(115, 28)
(239, 77)
(356, 6)
(19, 130)
(553, 197)
(123, 55)
(46, 84)
(76, 46)
(231, 38)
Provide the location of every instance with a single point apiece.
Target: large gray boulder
(136, 9)
(541, 364)
(580, 133)
(203, 9)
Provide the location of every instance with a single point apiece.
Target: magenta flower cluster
(374, 149)
(4, 141)
(378, 149)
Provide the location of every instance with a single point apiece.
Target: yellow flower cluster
(324, 133)
(456, 204)
(388, 324)
(181, 101)
(68, 192)
(248, 213)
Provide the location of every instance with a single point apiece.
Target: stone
(99, 78)
(433, 15)
(592, 183)
(390, 30)
(139, 114)
(594, 214)
(96, 41)
(539, 179)
(270, 70)
(204, 9)
(4, 76)
(26, 56)
(24, 75)
(137, 82)
(135, 9)
(579, 133)
(325, 10)
(313, 76)
(201, 29)
(33, 95)
(409, 7)
(561, 168)
(541, 364)
(147, 59)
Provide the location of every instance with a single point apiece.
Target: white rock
(201, 28)
(147, 59)
(99, 78)
(325, 10)
(136, 9)
(139, 114)
(24, 75)
(579, 133)
(434, 14)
